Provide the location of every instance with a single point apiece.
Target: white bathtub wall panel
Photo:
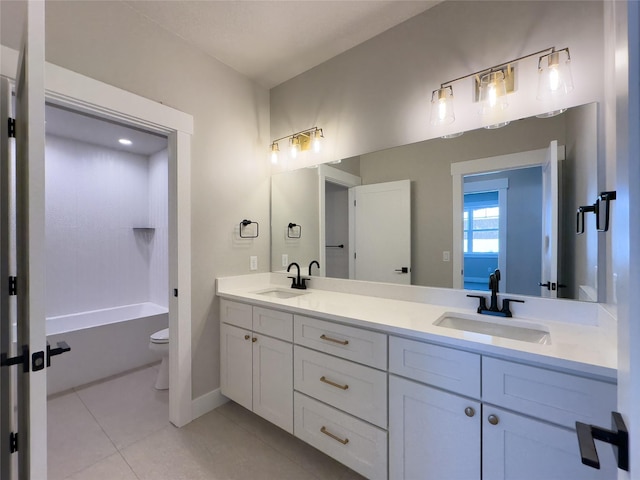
(101, 351)
(159, 219)
(94, 198)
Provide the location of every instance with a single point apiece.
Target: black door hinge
(13, 286)
(13, 442)
(12, 127)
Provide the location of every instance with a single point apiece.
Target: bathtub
(103, 343)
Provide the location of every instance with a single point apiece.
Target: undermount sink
(496, 327)
(280, 293)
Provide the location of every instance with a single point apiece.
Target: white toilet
(159, 342)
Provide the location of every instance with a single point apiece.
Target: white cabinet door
(430, 434)
(273, 381)
(236, 364)
(521, 448)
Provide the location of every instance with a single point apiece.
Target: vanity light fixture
(493, 84)
(303, 140)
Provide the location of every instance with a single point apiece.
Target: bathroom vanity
(395, 384)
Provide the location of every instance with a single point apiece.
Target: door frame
(512, 161)
(330, 174)
(80, 93)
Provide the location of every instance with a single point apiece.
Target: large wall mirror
(390, 215)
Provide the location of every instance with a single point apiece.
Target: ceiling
(84, 128)
(269, 41)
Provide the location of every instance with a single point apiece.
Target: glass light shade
(554, 79)
(317, 137)
(294, 146)
(442, 106)
(274, 153)
(493, 93)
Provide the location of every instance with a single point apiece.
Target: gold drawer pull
(334, 340)
(335, 437)
(333, 384)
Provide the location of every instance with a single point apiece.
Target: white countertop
(589, 348)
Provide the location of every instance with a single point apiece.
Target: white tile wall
(159, 218)
(94, 198)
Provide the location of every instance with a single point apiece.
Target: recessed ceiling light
(125, 141)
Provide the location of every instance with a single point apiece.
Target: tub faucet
(297, 282)
(311, 264)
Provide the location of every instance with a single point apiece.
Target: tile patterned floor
(119, 429)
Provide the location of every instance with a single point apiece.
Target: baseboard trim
(207, 402)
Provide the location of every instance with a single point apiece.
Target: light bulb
(442, 106)
(493, 93)
(294, 147)
(555, 75)
(274, 153)
(317, 140)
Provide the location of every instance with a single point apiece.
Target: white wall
(159, 220)
(110, 42)
(94, 196)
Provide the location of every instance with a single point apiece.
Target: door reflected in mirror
(510, 233)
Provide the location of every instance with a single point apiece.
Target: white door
(7, 399)
(382, 232)
(432, 433)
(624, 230)
(32, 386)
(549, 280)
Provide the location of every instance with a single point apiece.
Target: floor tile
(173, 454)
(111, 468)
(301, 453)
(75, 440)
(128, 407)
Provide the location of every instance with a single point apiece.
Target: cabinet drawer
(441, 367)
(273, 323)
(352, 343)
(234, 313)
(356, 389)
(358, 445)
(552, 396)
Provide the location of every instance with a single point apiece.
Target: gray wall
(377, 95)
(428, 165)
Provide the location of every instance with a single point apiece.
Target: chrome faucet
(297, 282)
(311, 264)
(494, 286)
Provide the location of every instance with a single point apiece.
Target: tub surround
(583, 335)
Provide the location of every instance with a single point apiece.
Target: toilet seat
(160, 337)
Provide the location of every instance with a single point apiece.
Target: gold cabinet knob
(247, 337)
(493, 419)
(469, 411)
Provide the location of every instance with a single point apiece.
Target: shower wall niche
(106, 227)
